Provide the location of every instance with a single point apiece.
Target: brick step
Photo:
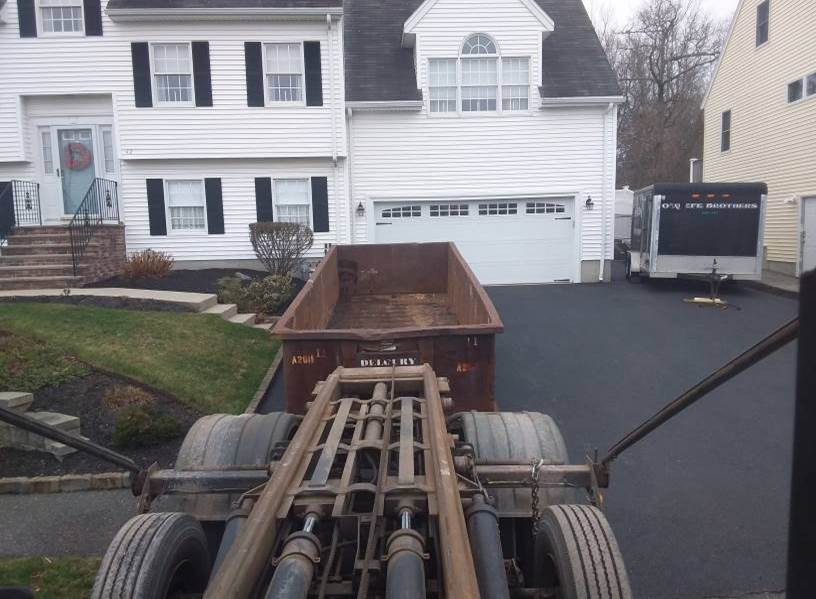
(39, 239)
(12, 283)
(42, 270)
(47, 229)
(35, 259)
(53, 248)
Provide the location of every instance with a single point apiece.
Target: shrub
(265, 296)
(147, 264)
(138, 426)
(270, 294)
(123, 396)
(280, 246)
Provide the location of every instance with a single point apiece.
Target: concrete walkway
(206, 303)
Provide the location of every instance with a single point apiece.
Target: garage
(504, 241)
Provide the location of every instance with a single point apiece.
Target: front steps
(40, 258)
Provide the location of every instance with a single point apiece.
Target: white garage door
(504, 242)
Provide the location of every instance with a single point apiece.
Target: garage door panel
(500, 248)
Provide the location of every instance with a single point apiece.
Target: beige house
(760, 121)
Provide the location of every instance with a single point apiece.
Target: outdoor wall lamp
(589, 203)
(28, 200)
(360, 210)
(108, 202)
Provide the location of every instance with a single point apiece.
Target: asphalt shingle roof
(176, 4)
(379, 69)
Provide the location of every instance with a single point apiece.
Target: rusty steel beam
(249, 555)
(516, 475)
(458, 571)
(196, 482)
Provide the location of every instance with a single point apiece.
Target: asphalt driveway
(700, 507)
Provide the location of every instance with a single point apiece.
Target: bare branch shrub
(147, 264)
(280, 246)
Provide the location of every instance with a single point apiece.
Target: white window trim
(168, 219)
(499, 57)
(268, 101)
(805, 97)
(155, 88)
(41, 28)
(308, 180)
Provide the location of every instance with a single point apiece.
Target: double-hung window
(442, 83)
(763, 19)
(292, 201)
(61, 16)
(479, 80)
(284, 72)
(185, 204)
(725, 131)
(515, 83)
(173, 73)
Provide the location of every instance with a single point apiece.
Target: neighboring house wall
(771, 140)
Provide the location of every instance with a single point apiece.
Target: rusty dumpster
(392, 305)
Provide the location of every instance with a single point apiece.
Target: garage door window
(402, 212)
(449, 209)
(500, 208)
(544, 208)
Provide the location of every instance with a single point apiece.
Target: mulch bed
(83, 397)
(196, 281)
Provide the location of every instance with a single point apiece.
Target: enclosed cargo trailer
(392, 305)
(698, 229)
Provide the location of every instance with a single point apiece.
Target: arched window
(480, 74)
(479, 43)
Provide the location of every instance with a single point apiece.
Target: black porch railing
(19, 205)
(99, 206)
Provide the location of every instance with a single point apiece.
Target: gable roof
(380, 69)
(220, 4)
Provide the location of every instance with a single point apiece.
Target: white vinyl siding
(61, 16)
(185, 205)
(292, 201)
(172, 73)
(284, 72)
(772, 140)
(72, 68)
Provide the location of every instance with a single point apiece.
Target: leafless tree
(280, 246)
(663, 59)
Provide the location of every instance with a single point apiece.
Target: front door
(75, 148)
(808, 234)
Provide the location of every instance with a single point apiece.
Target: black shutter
(27, 17)
(254, 73)
(215, 206)
(320, 204)
(140, 55)
(155, 207)
(93, 16)
(263, 199)
(201, 74)
(314, 75)
(6, 207)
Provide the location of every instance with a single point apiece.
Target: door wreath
(77, 156)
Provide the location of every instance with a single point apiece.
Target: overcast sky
(623, 9)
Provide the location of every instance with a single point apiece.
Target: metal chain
(534, 488)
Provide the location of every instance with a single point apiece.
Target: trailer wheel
(154, 556)
(221, 440)
(577, 554)
(521, 438)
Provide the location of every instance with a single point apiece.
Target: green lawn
(206, 362)
(51, 577)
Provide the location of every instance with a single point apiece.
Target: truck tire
(222, 440)
(577, 553)
(521, 438)
(154, 556)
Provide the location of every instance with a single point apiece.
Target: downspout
(349, 173)
(332, 103)
(604, 198)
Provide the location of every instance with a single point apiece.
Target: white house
(491, 124)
